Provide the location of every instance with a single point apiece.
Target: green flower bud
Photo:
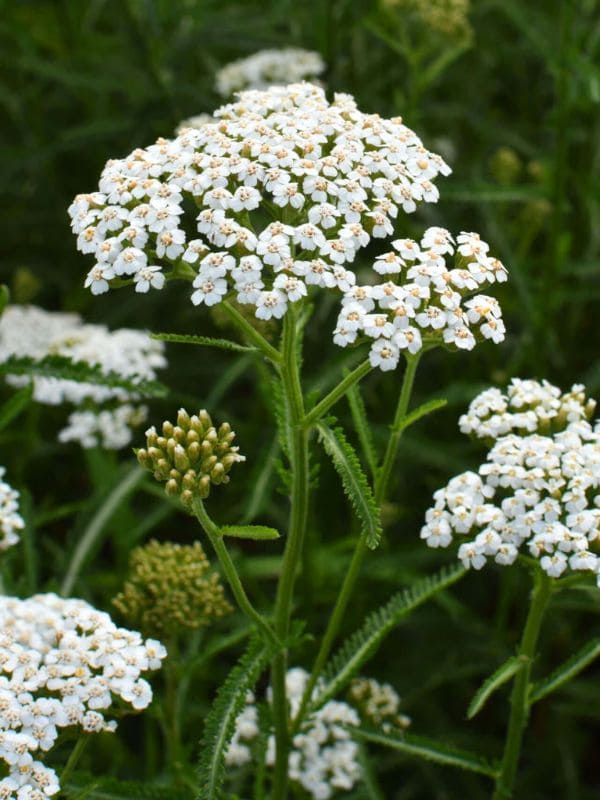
(170, 590)
(193, 442)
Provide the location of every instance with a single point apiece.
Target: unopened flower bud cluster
(528, 406)
(535, 493)
(62, 664)
(171, 590)
(323, 759)
(423, 300)
(10, 520)
(191, 455)
(449, 18)
(286, 188)
(267, 68)
(378, 704)
(29, 331)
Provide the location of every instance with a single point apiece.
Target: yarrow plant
(32, 340)
(63, 664)
(10, 520)
(536, 496)
(272, 201)
(267, 68)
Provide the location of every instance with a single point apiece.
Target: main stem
(381, 487)
(519, 700)
(297, 442)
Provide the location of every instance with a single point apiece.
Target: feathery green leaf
(421, 411)
(66, 369)
(362, 427)
(204, 341)
(503, 674)
(354, 481)
(429, 749)
(364, 642)
(568, 670)
(219, 725)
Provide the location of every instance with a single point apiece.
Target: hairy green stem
(251, 333)
(315, 414)
(230, 572)
(297, 439)
(381, 487)
(92, 533)
(519, 701)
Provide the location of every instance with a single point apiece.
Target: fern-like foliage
(361, 646)
(66, 369)
(83, 786)
(362, 427)
(219, 725)
(567, 670)
(421, 411)
(429, 749)
(356, 486)
(498, 678)
(204, 341)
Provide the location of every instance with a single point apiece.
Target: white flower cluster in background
(10, 519)
(62, 664)
(323, 759)
(528, 406)
(267, 68)
(378, 704)
(28, 331)
(423, 300)
(538, 493)
(286, 188)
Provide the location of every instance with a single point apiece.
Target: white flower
(10, 519)
(268, 67)
(63, 651)
(147, 277)
(323, 756)
(537, 490)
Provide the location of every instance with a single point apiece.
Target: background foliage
(86, 80)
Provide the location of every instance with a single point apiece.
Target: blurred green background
(510, 95)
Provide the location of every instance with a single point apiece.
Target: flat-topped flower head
(191, 455)
(528, 406)
(423, 300)
(323, 761)
(278, 194)
(536, 494)
(108, 412)
(62, 665)
(268, 68)
(10, 520)
(171, 589)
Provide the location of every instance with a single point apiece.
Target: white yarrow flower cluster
(28, 331)
(528, 406)
(537, 493)
(323, 758)
(10, 519)
(62, 663)
(423, 300)
(286, 189)
(267, 68)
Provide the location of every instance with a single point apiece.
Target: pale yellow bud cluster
(378, 704)
(190, 455)
(171, 589)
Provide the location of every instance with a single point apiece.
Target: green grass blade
(421, 411)
(14, 405)
(362, 427)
